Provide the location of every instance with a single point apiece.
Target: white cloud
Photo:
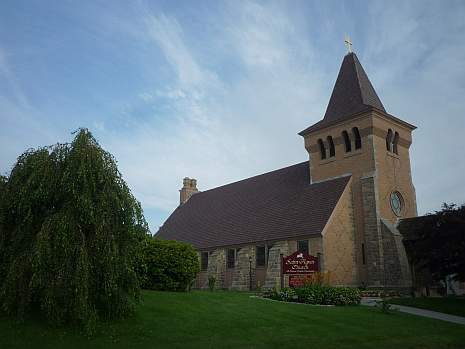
(223, 130)
(8, 75)
(221, 95)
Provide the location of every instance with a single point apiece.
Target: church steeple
(353, 93)
(357, 137)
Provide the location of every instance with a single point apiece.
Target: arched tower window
(389, 140)
(358, 140)
(332, 150)
(322, 149)
(346, 137)
(394, 142)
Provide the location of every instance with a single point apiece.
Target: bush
(211, 283)
(318, 294)
(69, 230)
(288, 294)
(384, 306)
(168, 265)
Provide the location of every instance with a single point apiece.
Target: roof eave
(321, 124)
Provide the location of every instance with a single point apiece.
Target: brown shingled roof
(353, 93)
(272, 206)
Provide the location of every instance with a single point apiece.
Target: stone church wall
(339, 243)
(396, 266)
(244, 271)
(386, 259)
(273, 270)
(373, 240)
(216, 268)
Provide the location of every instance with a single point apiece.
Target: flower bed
(317, 294)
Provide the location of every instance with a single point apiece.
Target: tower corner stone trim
(189, 188)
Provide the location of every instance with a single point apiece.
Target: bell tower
(357, 136)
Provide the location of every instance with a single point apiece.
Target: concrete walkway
(417, 311)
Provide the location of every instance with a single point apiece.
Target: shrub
(271, 293)
(211, 283)
(288, 294)
(311, 294)
(384, 306)
(168, 265)
(318, 294)
(69, 230)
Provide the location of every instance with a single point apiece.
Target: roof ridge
(362, 75)
(272, 207)
(252, 177)
(358, 77)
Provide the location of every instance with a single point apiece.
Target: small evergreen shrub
(167, 265)
(211, 283)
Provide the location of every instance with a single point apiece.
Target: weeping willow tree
(69, 233)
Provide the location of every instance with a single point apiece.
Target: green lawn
(234, 320)
(448, 305)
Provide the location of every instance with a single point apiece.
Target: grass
(234, 320)
(448, 305)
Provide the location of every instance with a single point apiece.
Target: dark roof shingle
(272, 206)
(353, 93)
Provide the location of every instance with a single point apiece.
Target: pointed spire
(353, 93)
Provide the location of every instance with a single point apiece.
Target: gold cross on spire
(348, 43)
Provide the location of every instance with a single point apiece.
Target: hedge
(317, 294)
(167, 265)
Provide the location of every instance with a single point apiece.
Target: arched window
(332, 150)
(389, 140)
(358, 140)
(322, 149)
(394, 143)
(346, 137)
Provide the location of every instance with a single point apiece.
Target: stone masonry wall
(241, 276)
(396, 266)
(216, 267)
(273, 271)
(373, 239)
(339, 243)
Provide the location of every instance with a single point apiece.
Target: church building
(342, 205)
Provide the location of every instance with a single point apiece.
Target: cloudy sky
(218, 90)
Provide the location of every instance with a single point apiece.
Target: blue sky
(218, 90)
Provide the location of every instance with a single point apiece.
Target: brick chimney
(189, 188)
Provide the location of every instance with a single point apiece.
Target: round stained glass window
(396, 203)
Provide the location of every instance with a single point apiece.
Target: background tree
(436, 242)
(69, 232)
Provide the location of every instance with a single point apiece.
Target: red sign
(300, 263)
(299, 280)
